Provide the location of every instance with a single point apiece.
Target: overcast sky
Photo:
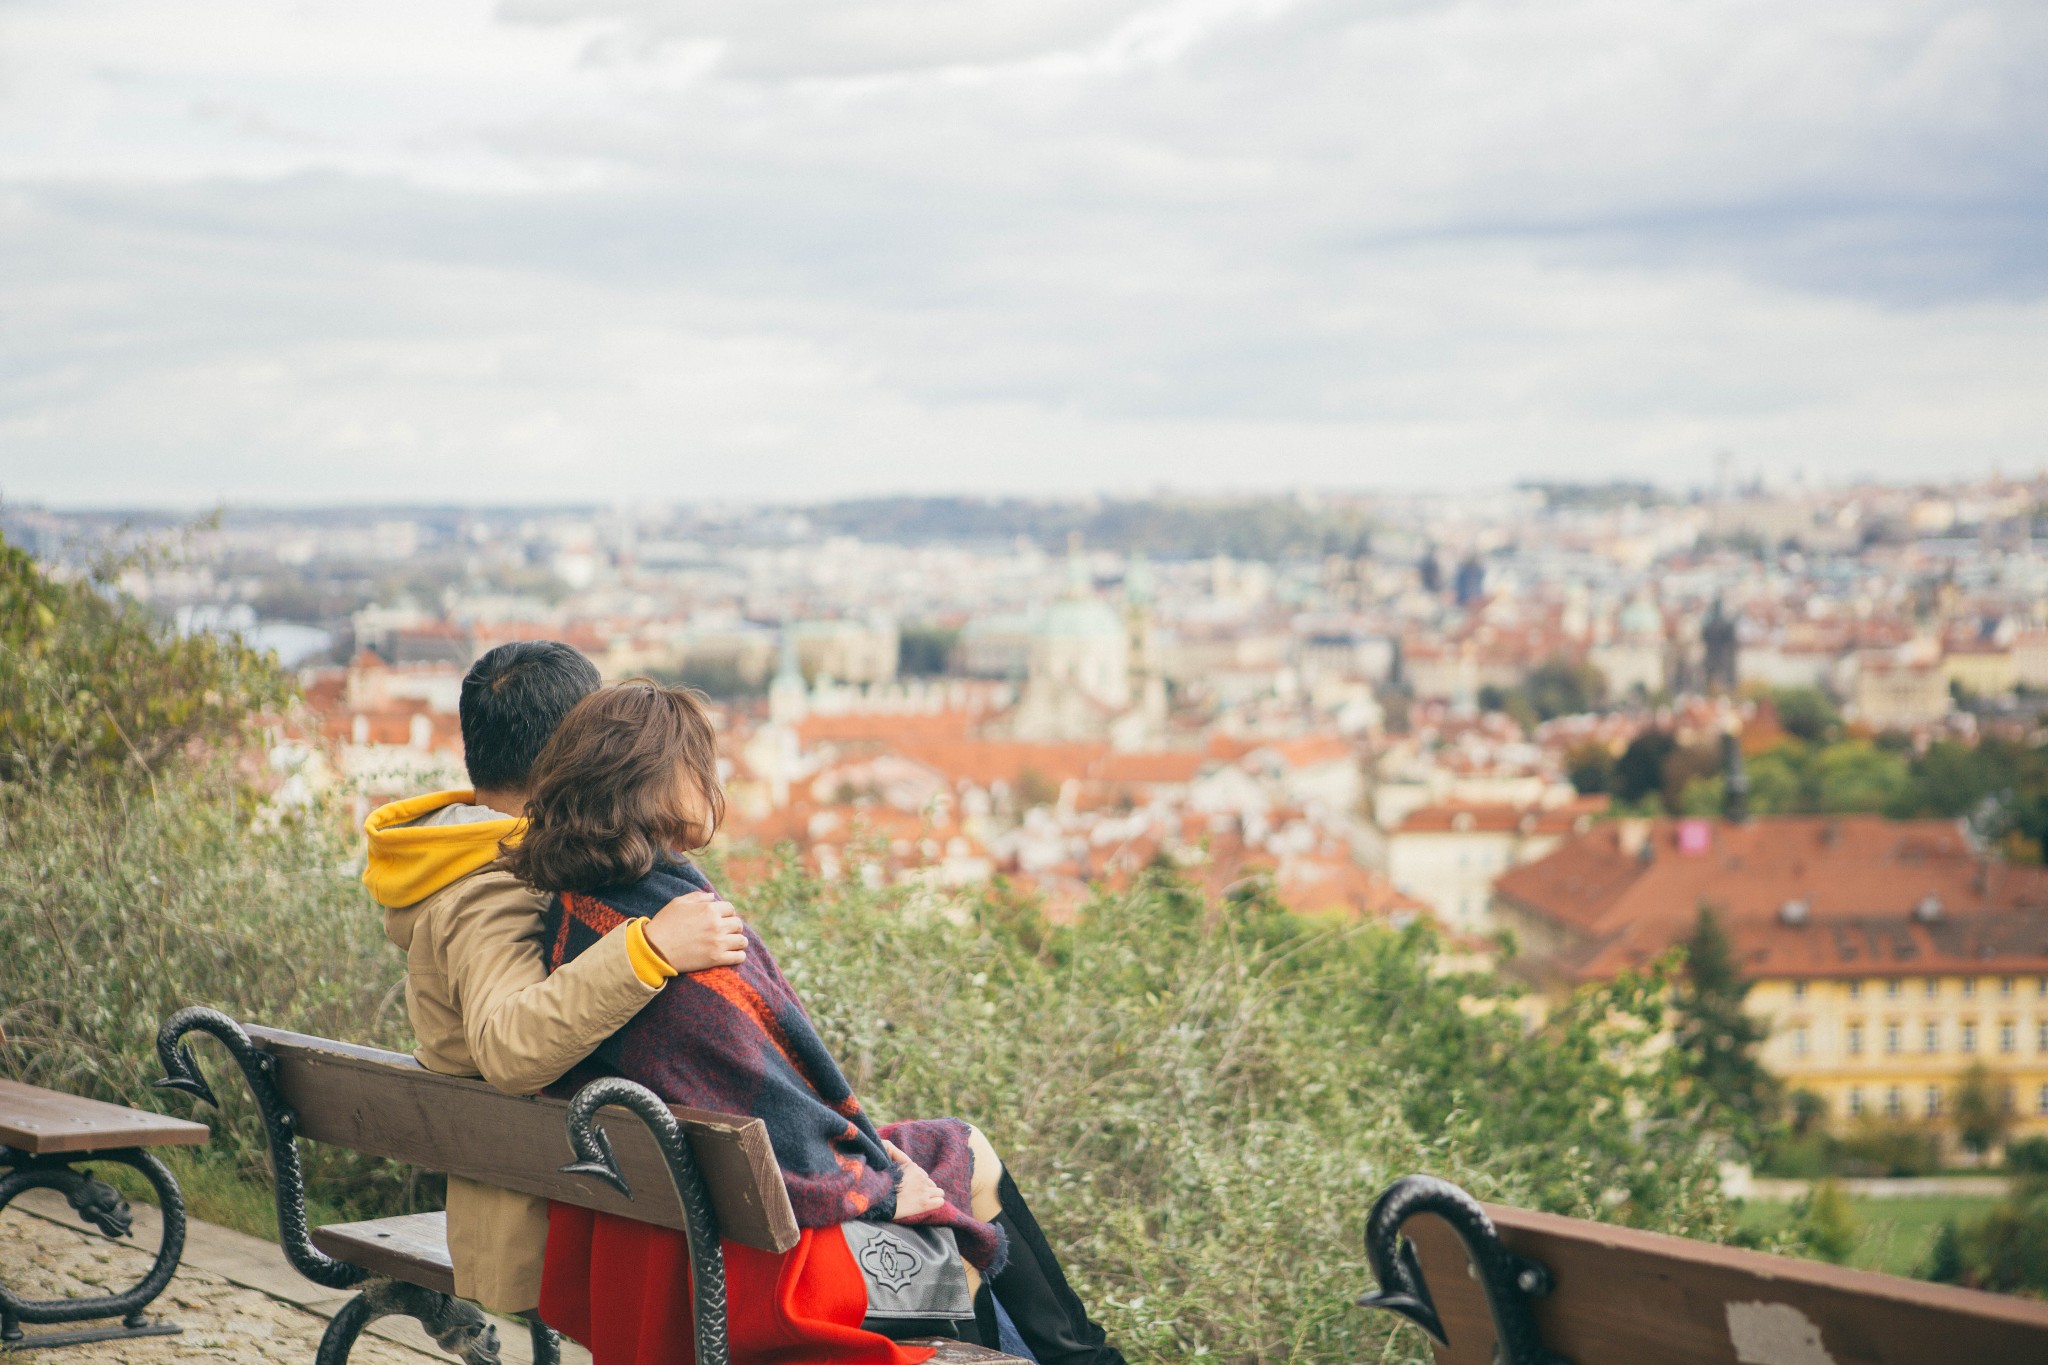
(273, 251)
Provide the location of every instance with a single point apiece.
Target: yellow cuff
(648, 965)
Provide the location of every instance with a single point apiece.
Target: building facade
(1888, 957)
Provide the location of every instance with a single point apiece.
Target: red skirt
(622, 1289)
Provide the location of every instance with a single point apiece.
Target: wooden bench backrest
(388, 1105)
(1624, 1297)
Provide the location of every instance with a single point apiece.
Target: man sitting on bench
(477, 986)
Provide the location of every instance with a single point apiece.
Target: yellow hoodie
(409, 862)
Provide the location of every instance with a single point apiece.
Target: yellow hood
(408, 863)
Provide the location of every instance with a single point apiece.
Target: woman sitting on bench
(628, 784)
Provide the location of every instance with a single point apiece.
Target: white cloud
(560, 247)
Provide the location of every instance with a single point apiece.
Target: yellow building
(1981, 669)
(1895, 1046)
(1888, 956)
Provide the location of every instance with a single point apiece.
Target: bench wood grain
(386, 1104)
(413, 1248)
(1624, 1297)
(42, 1122)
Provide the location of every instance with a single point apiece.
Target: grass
(1894, 1235)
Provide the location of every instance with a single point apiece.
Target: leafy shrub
(2028, 1156)
(89, 682)
(1826, 1221)
(2005, 1250)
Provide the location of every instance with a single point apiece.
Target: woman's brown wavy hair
(631, 774)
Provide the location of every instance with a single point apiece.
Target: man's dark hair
(512, 700)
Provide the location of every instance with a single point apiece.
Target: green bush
(89, 682)
(2006, 1250)
(1826, 1222)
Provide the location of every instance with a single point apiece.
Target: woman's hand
(917, 1193)
(696, 932)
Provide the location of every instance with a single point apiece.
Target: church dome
(1639, 618)
(1080, 618)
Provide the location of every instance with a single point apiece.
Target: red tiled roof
(1167, 766)
(1620, 903)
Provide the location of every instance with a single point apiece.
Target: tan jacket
(483, 1004)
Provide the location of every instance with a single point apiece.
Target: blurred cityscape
(1556, 720)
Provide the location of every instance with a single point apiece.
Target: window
(1969, 1037)
(1969, 988)
(1892, 1038)
(2041, 1101)
(1799, 990)
(1933, 987)
(2041, 986)
(1934, 1101)
(1891, 988)
(1855, 1101)
(1930, 1037)
(2005, 987)
(1855, 990)
(1855, 1040)
(1799, 1042)
(2041, 1035)
(2008, 1037)
(1894, 1103)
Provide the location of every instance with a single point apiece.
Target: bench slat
(1623, 1297)
(385, 1104)
(42, 1122)
(413, 1248)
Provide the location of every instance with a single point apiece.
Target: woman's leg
(1031, 1287)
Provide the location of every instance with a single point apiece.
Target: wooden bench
(1539, 1289)
(708, 1175)
(44, 1135)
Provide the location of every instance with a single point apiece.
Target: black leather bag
(917, 1283)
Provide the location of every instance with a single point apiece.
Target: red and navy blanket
(737, 1040)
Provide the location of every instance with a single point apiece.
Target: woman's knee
(988, 1170)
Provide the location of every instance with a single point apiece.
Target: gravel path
(236, 1298)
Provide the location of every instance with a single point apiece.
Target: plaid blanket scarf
(737, 1040)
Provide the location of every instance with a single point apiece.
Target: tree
(1827, 1221)
(1858, 777)
(1560, 687)
(2005, 1251)
(1807, 713)
(89, 682)
(925, 651)
(1591, 767)
(1979, 1109)
(1639, 772)
(1717, 1037)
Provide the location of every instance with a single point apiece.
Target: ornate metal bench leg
(547, 1347)
(1510, 1281)
(101, 1205)
(594, 1158)
(280, 1127)
(458, 1328)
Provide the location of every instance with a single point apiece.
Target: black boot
(1047, 1312)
